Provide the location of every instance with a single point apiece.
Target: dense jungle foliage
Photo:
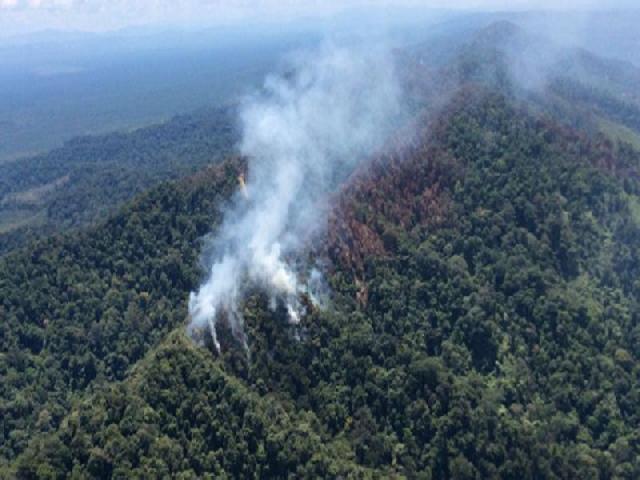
(483, 319)
(89, 177)
(483, 325)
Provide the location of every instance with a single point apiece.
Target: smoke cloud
(304, 132)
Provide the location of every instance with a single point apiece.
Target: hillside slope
(483, 324)
(79, 310)
(90, 177)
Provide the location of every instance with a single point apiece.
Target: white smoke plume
(305, 130)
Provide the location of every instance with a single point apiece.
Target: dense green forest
(483, 321)
(89, 177)
(483, 325)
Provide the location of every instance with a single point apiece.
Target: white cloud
(19, 16)
(16, 5)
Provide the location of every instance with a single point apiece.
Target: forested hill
(483, 319)
(89, 177)
(77, 311)
(483, 324)
(574, 86)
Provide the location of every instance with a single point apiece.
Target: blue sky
(22, 16)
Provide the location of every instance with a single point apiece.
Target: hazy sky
(21, 16)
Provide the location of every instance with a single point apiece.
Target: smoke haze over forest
(305, 239)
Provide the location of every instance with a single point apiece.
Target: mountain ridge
(482, 323)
